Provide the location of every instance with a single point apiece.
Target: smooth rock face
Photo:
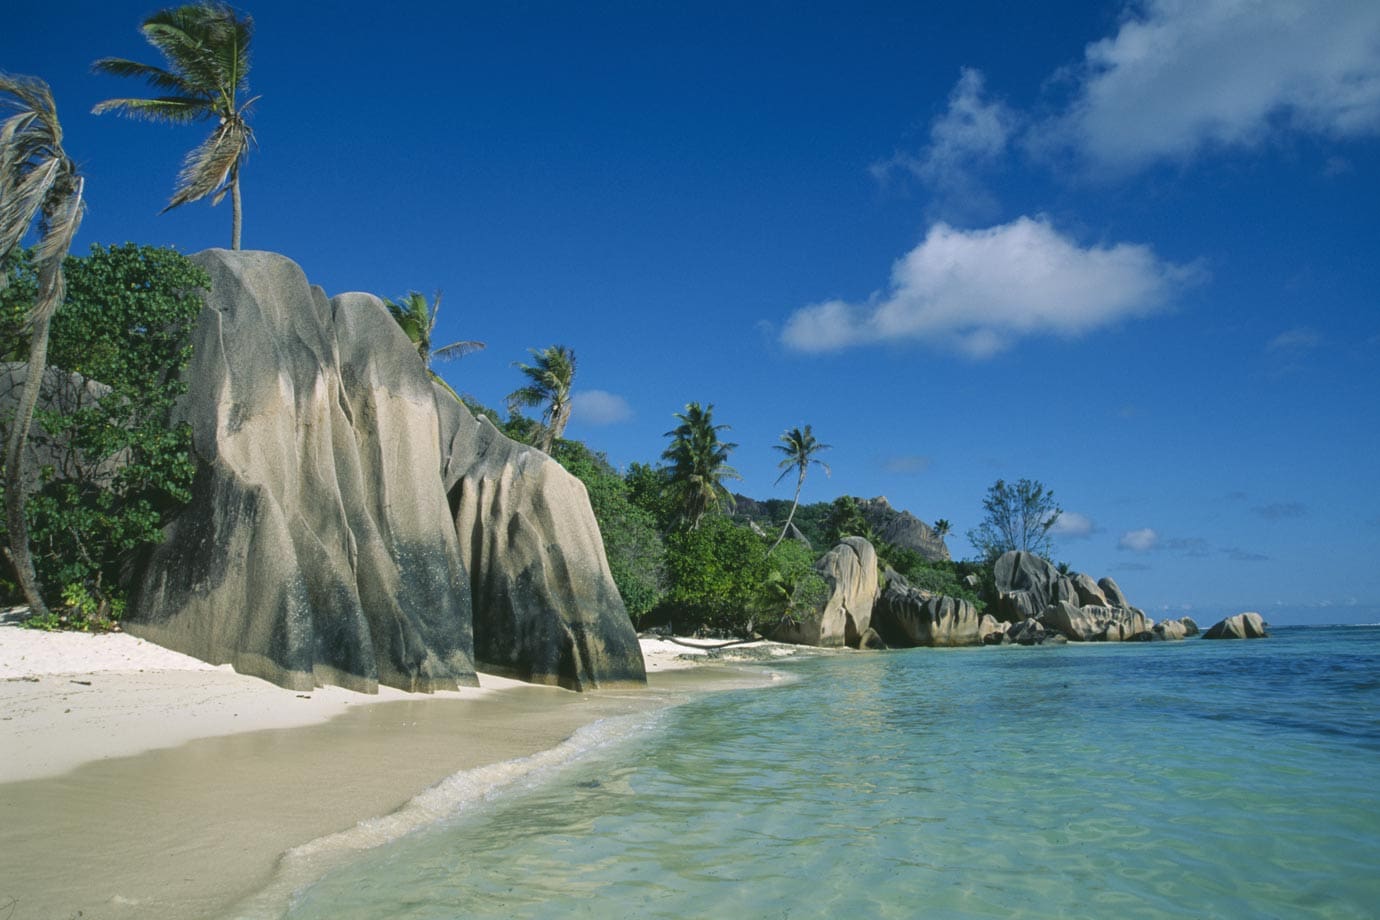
(910, 617)
(1172, 630)
(850, 570)
(1240, 626)
(546, 609)
(318, 546)
(901, 528)
(1112, 591)
(1095, 624)
(1026, 584)
(1089, 594)
(991, 630)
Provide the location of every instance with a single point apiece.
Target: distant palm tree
(37, 181)
(550, 378)
(699, 463)
(206, 46)
(418, 321)
(942, 528)
(800, 447)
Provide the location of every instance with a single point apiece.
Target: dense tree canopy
(1020, 516)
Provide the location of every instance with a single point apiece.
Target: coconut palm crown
(38, 182)
(549, 380)
(418, 321)
(206, 47)
(800, 447)
(699, 463)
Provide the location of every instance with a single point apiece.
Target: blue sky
(1127, 250)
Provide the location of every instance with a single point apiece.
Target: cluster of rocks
(352, 525)
(1035, 605)
(903, 529)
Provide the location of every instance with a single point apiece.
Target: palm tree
(799, 446)
(37, 181)
(699, 463)
(206, 46)
(418, 321)
(550, 377)
(942, 527)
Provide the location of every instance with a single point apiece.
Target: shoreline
(184, 789)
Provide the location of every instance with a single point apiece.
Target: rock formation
(546, 609)
(1181, 628)
(903, 529)
(906, 617)
(850, 571)
(320, 545)
(1095, 624)
(1241, 626)
(317, 548)
(1026, 584)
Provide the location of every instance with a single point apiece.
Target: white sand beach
(176, 786)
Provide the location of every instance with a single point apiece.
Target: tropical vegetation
(206, 50)
(549, 379)
(1019, 516)
(417, 319)
(39, 184)
(698, 464)
(800, 447)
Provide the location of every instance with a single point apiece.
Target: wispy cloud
(1139, 541)
(909, 465)
(1180, 77)
(979, 291)
(1073, 526)
(1298, 339)
(600, 407)
(971, 135)
(1241, 555)
(1281, 511)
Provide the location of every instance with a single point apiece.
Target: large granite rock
(906, 616)
(546, 609)
(1112, 591)
(850, 571)
(1089, 592)
(1026, 584)
(318, 547)
(901, 528)
(1172, 630)
(1096, 624)
(1241, 626)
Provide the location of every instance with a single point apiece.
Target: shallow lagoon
(1205, 779)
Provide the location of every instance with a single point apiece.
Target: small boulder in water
(1242, 626)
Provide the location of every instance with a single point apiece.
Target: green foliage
(715, 574)
(1019, 517)
(649, 488)
(845, 519)
(698, 464)
(791, 590)
(117, 469)
(549, 379)
(632, 544)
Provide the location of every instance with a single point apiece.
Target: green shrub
(125, 323)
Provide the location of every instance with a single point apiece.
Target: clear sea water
(1190, 779)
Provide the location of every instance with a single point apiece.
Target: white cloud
(978, 291)
(1072, 525)
(1181, 76)
(599, 407)
(972, 133)
(1140, 541)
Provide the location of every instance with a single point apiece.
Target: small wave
(305, 864)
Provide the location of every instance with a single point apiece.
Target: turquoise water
(1202, 779)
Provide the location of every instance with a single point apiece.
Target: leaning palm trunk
(236, 213)
(795, 503)
(18, 551)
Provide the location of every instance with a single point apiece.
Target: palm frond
(156, 77)
(456, 350)
(210, 167)
(58, 229)
(171, 109)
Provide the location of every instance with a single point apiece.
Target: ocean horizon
(1194, 778)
